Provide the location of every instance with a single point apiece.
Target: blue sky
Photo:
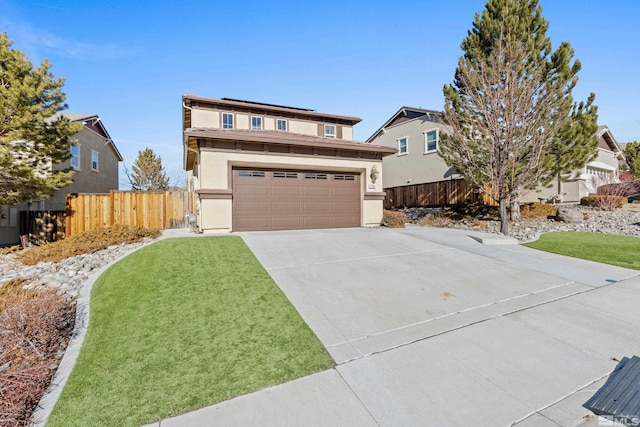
(130, 62)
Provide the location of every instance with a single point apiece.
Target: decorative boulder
(569, 215)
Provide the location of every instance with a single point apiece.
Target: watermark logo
(614, 420)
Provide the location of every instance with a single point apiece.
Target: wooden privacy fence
(439, 193)
(158, 210)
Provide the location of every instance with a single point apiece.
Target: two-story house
(415, 133)
(256, 166)
(95, 161)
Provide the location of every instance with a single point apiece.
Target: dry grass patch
(538, 210)
(85, 243)
(9, 250)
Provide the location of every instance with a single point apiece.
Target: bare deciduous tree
(513, 125)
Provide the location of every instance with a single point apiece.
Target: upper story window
(95, 161)
(403, 145)
(256, 123)
(281, 125)
(227, 121)
(431, 141)
(75, 157)
(330, 131)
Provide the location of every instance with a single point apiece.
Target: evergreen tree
(148, 172)
(31, 140)
(513, 120)
(632, 154)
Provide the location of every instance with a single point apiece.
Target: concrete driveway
(430, 327)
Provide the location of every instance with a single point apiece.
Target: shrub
(462, 211)
(607, 202)
(625, 188)
(590, 201)
(393, 219)
(610, 202)
(35, 327)
(435, 221)
(538, 210)
(85, 243)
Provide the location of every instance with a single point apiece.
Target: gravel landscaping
(66, 276)
(620, 221)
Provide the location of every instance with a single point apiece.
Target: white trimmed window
(281, 125)
(75, 157)
(403, 146)
(431, 141)
(227, 121)
(95, 161)
(256, 123)
(329, 131)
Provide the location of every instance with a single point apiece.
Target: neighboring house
(256, 166)
(603, 169)
(415, 133)
(95, 161)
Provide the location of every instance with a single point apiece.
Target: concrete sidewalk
(430, 327)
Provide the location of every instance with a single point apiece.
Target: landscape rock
(620, 221)
(569, 215)
(66, 276)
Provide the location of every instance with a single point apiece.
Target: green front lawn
(623, 251)
(182, 324)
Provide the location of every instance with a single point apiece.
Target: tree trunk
(504, 221)
(515, 211)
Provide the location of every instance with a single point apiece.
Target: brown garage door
(289, 200)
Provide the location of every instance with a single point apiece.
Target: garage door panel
(311, 208)
(285, 191)
(315, 192)
(252, 223)
(252, 206)
(286, 222)
(345, 192)
(281, 200)
(253, 190)
(318, 222)
(342, 221)
(287, 206)
(342, 207)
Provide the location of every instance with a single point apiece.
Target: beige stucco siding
(304, 128)
(215, 174)
(201, 118)
(568, 191)
(207, 118)
(269, 123)
(607, 157)
(242, 121)
(415, 167)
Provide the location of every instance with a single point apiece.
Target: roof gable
(606, 140)
(91, 122)
(405, 114)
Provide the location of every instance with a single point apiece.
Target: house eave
(188, 101)
(191, 137)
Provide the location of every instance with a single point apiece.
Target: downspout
(197, 154)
